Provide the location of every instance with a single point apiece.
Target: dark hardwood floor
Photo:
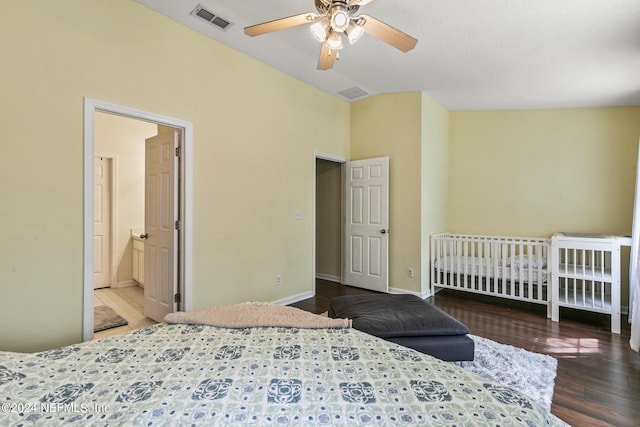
(598, 379)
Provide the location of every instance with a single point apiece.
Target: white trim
(294, 298)
(90, 107)
(126, 284)
(330, 157)
(328, 278)
(422, 295)
(337, 159)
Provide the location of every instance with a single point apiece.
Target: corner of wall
(434, 158)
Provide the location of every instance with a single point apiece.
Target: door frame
(342, 161)
(186, 203)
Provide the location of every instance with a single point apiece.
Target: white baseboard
(125, 284)
(293, 299)
(422, 295)
(329, 278)
(305, 295)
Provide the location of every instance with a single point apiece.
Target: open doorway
(351, 223)
(184, 206)
(119, 210)
(329, 218)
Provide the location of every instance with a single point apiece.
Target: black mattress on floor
(406, 320)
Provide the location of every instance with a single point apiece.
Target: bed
(507, 267)
(199, 374)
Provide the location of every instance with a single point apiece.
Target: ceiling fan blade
(327, 57)
(387, 33)
(281, 24)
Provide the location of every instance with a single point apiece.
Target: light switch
(298, 215)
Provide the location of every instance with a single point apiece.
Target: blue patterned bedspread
(203, 375)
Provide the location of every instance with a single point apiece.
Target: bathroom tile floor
(128, 302)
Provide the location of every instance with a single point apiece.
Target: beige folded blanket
(256, 315)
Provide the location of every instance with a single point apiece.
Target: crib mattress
(518, 269)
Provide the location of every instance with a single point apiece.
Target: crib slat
(473, 263)
(539, 271)
(439, 254)
(485, 267)
(529, 281)
(459, 267)
(450, 257)
(489, 272)
(465, 266)
(458, 263)
(602, 263)
(495, 254)
(506, 279)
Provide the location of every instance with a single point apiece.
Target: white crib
(507, 267)
(586, 274)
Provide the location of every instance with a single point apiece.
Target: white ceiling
(471, 54)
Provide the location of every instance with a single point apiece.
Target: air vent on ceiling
(353, 93)
(211, 17)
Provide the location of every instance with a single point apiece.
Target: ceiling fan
(334, 19)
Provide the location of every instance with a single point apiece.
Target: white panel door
(367, 224)
(160, 255)
(101, 223)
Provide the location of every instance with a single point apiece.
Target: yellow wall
(505, 172)
(253, 156)
(413, 130)
(534, 173)
(123, 139)
(434, 179)
(391, 125)
(538, 172)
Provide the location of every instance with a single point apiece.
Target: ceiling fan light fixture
(335, 18)
(319, 30)
(334, 41)
(340, 21)
(354, 32)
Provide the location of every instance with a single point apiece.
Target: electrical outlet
(410, 272)
(278, 280)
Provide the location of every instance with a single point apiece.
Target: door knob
(144, 236)
(383, 231)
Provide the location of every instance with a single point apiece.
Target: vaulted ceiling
(471, 54)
